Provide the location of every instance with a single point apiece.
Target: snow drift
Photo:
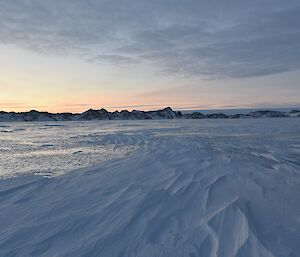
(213, 188)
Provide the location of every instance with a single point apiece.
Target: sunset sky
(72, 55)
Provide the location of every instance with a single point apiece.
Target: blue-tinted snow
(177, 188)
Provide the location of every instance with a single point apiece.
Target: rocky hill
(166, 113)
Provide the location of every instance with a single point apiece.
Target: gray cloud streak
(234, 38)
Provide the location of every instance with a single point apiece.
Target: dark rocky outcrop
(195, 115)
(166, 113)
(240, 116)
(268, 114)
(217, 116)
(294, 111)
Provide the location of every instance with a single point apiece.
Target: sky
(72, 55)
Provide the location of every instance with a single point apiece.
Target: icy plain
(218, 188)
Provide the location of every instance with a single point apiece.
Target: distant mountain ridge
(166, 113)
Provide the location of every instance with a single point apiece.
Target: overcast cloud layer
(209, 38)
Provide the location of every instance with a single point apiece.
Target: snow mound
(219, 188)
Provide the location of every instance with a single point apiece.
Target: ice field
(181, 188)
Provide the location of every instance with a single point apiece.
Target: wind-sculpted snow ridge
(166, 113)
(192, 189)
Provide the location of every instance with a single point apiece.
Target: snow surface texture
(53, 149)
(185, 188)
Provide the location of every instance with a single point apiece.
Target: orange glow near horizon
(79, 108)
(68, 84)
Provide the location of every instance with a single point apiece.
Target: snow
(54, 149)
(172, 188)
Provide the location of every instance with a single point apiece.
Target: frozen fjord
(175, 188)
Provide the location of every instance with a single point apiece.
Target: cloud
(112, 58)
(234, 38)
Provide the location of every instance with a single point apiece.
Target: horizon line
(160, 107)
